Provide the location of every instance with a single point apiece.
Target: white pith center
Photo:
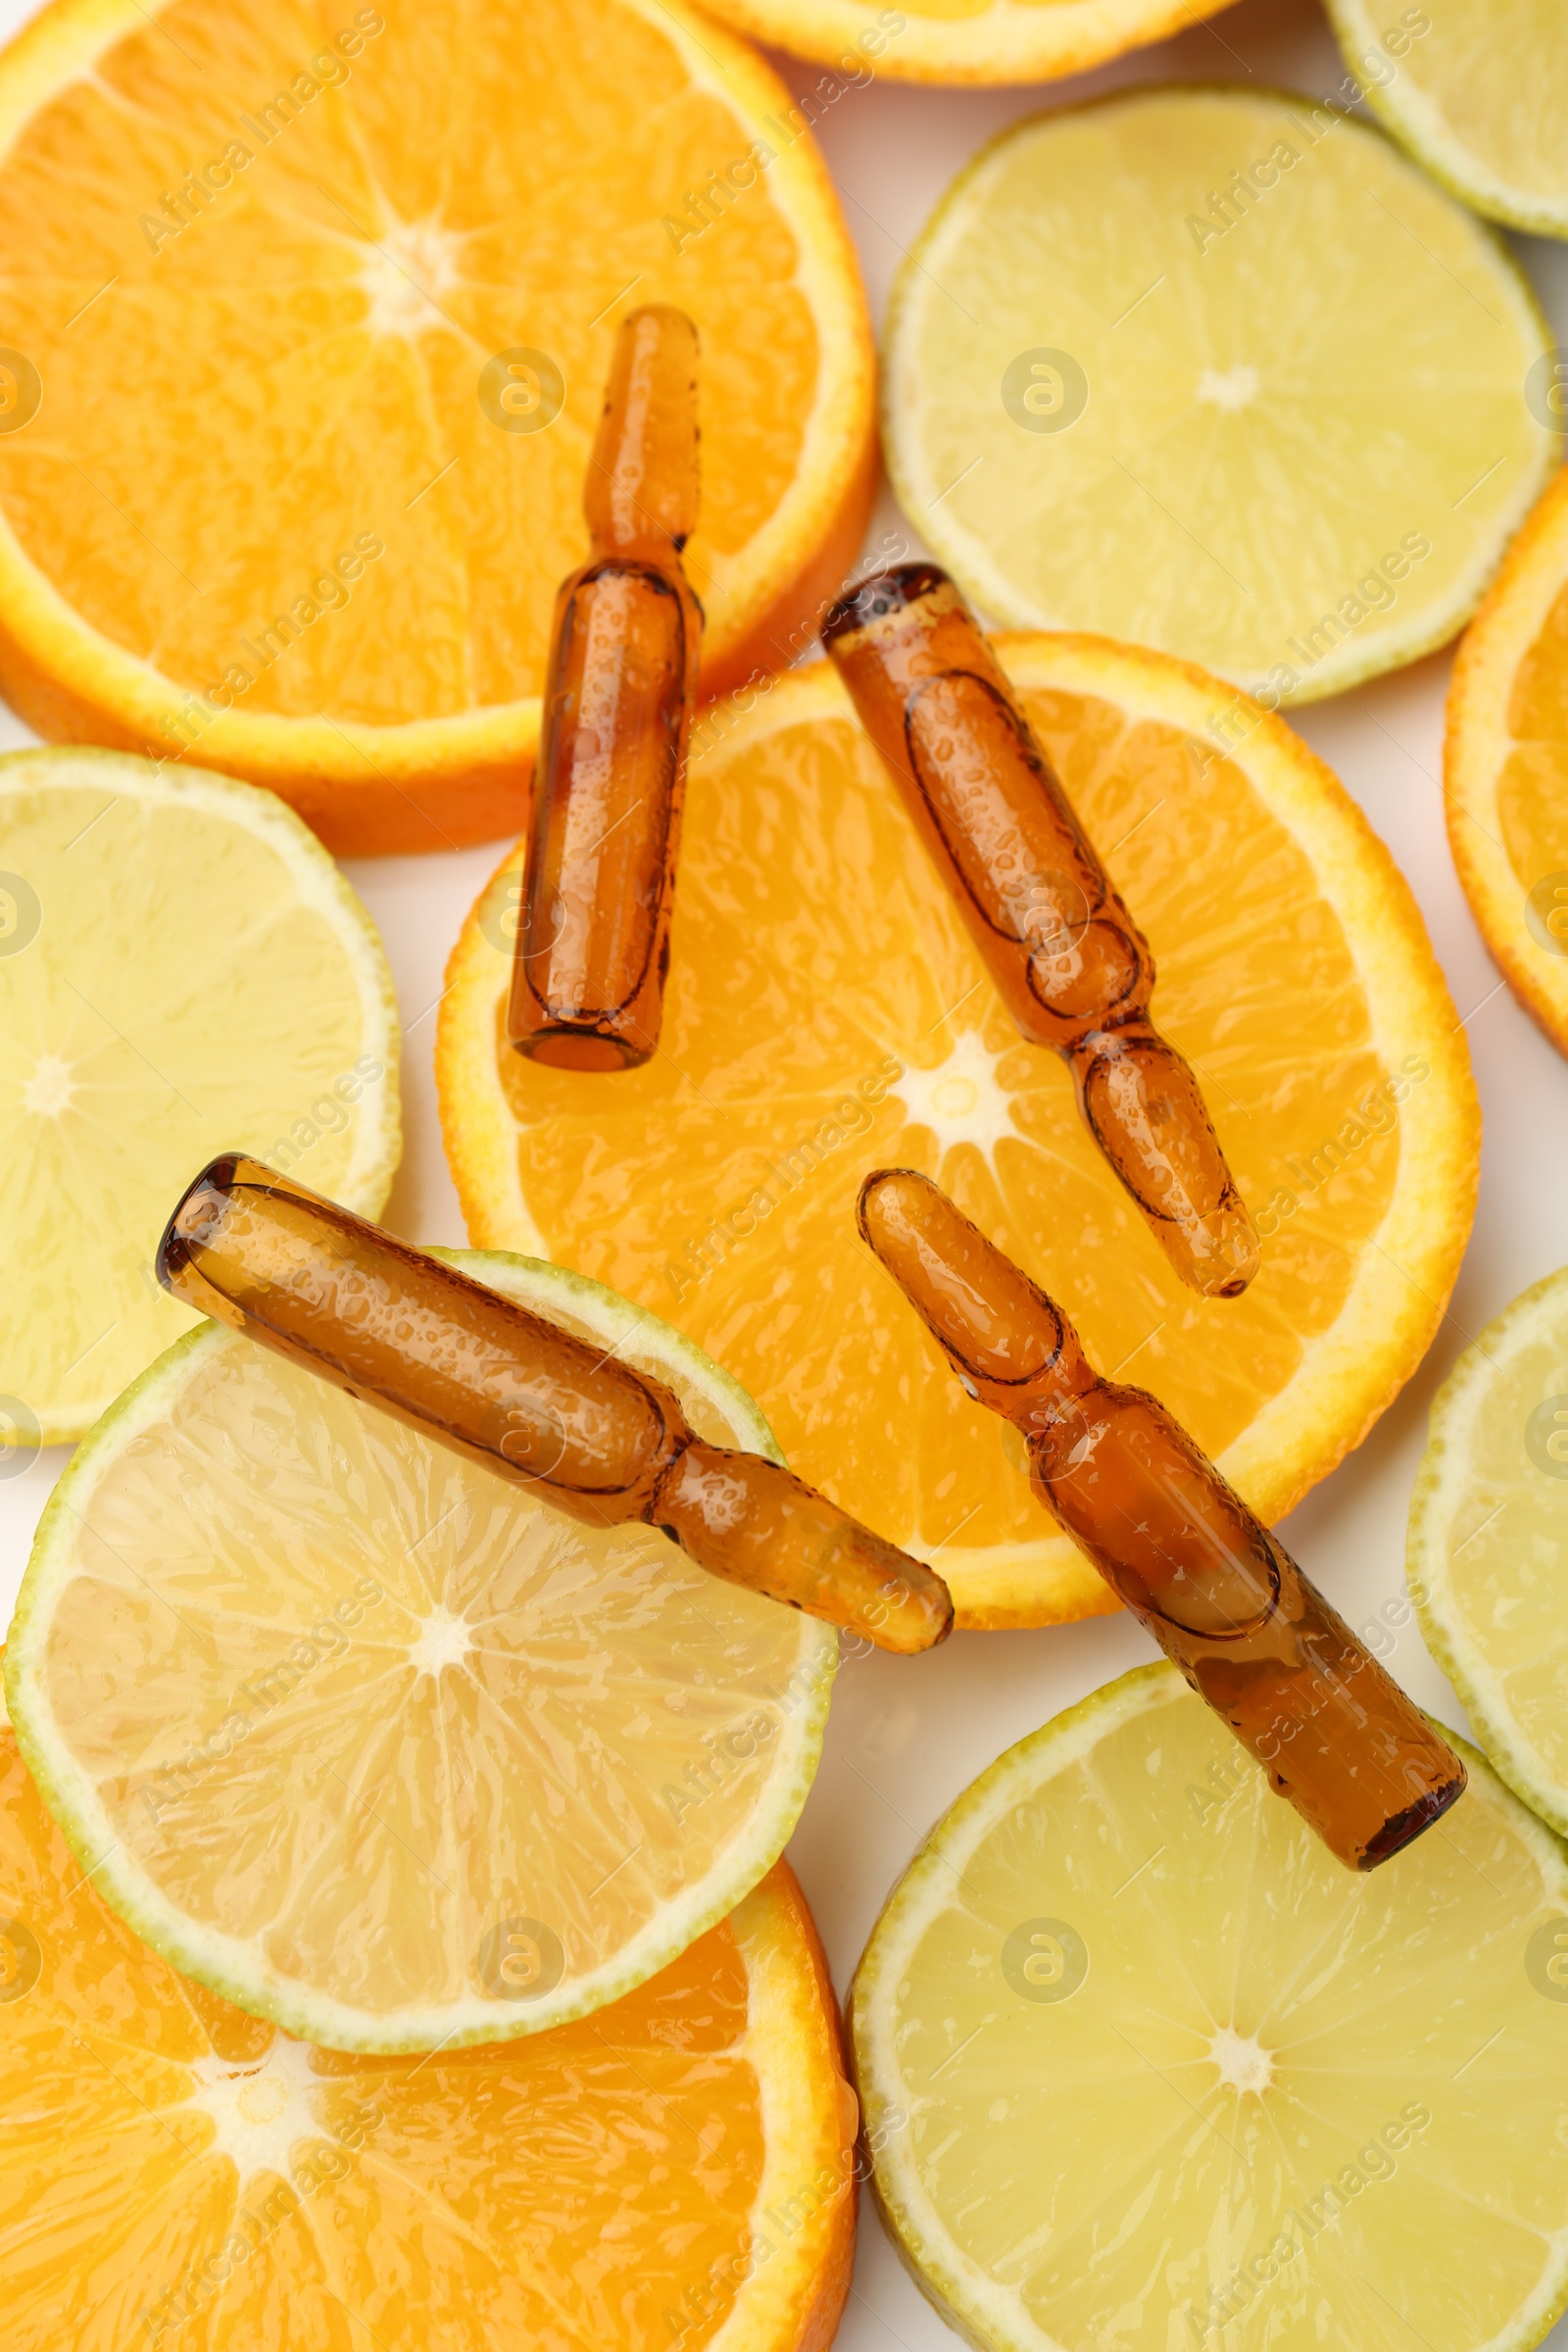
(1228, 387)
(51, 1088)
(961, 1101)
(442, 1640)
(406, 275)
(260, 2110)
(1244, 2063)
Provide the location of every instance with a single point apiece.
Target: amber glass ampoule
(1072, 966)
(593, 940)
(1223, 1598)
(525, 1397)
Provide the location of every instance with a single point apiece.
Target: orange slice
(678, 2167)
(960, 40)
(1506, 765)
(827, 1014)
(304, 330)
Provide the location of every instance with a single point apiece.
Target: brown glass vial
(1223, 1598)
(593, 939)
(525, 1397)
(1071, 966)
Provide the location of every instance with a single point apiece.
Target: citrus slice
(182, 969)
(1220, 372)
(826, 1015)
(1489, 1541)
(356, 291)
(1143, 2065)
(193, 2176)
(1506, 765)
(958, 41)
(1478, 91)
(378, 1746)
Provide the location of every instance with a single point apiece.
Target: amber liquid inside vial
(1223, 1598)
(1070, 963)
(526, 1398)
(593, 939)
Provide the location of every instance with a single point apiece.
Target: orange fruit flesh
(306, 499)
(1533, 786)
(192, 2177)
(1505, 765)
(826, 1015)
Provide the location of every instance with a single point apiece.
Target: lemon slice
(378, 1746)
(1143, 2065)
(1488, 1549)
(1478, 91)
(1219, 372)
(183, 970)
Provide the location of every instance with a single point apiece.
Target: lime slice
(182, 970)
(378, 1746)
(1218, 371)
(1143, 2065)
(1487, 1555)
(1478, 90)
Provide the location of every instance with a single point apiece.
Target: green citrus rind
(1415, 118)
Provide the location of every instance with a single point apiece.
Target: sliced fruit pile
(378, 1746)
(828, 1013)
(181, 969)
(356, 296)
(193, 2176)
(1478, 91)
(961, 40)
(1505, 765)
(1218, 371)
(1141, 2064)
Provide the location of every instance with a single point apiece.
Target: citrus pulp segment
(959, 40)
(378, 1746)
(826, 1013)
(1478, 94)
(355, 277)
(191, 2175)
(1216, 370)
(1505, 763)
(182, 968)
(1489, 1541)
(1143, 2064)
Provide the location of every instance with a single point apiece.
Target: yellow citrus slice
(1478, 91)
(1489, 1539)
(378, 1746)
(1143, 2065)
(303, 332)
(956, 40)
(182, 970)
(1505, 765)
(827, 1014)
(677, 2168)
(1217, 370)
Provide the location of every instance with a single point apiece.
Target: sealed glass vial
(1223, 1598)
(526, 1398)
(1070, 963)
(593, 938)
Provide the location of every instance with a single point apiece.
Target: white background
(907, 1735)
